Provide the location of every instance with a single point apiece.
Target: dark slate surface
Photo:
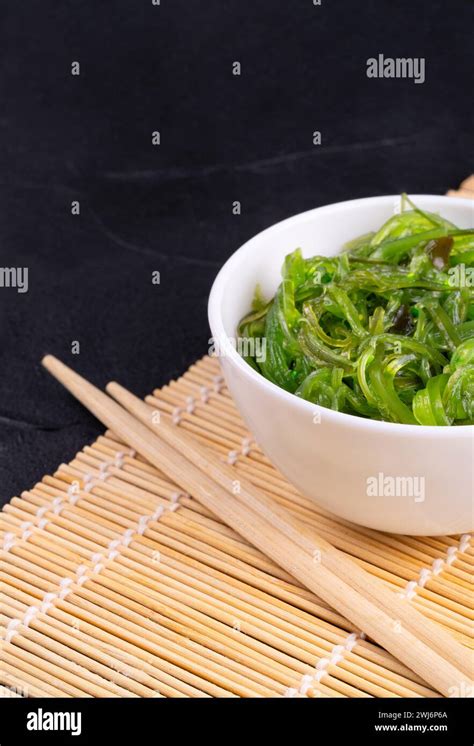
(169, 208)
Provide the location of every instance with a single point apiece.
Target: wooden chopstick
(277, 534)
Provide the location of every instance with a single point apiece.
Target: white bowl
(400, 478)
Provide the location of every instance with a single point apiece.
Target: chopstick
(438, 659)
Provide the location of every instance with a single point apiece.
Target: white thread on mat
(437, 566)
(11, 629)
(9, 541)
(176, 497)
(98, 563)
(25, 530)
(64, 588)
(218, 383)
(336, 655)
(72, 493)
(47, 602)
(25, 620)
(127, 536)
(119, 459)
(305, 684)
(176, 415)
(58, 504)
(205, 392)
(142, 523)
(464, 542)
(91, 480)
(29, 615)
(409, 591)
(246, 446)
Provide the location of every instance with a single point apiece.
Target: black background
(169, 207)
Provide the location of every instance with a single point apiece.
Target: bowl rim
(220, 335)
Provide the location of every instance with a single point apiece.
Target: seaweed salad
(383, 330)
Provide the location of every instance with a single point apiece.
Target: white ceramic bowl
(400, 478)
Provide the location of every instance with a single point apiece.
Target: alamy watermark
(14, 277)
(465, 689)
(383, 485)
(255, 347)
(396, 67)
(461, 276)
(64, 721)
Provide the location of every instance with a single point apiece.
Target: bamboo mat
(114, 583)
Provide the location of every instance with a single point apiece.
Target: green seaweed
(384, 330)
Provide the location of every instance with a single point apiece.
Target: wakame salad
(383, 330)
